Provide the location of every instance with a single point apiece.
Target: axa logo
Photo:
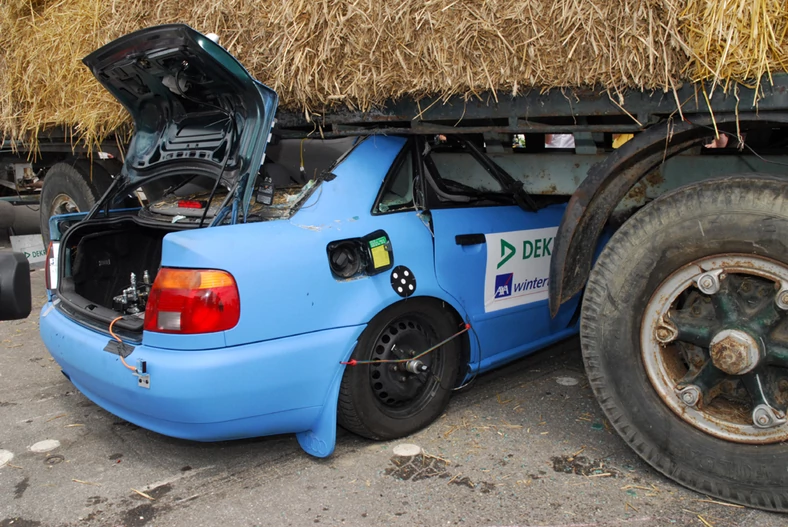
(503, 285)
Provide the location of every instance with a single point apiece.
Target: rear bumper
(272, 387)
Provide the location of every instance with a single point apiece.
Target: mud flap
(320, 440)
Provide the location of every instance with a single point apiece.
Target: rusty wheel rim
(63, 204)
(714, 343)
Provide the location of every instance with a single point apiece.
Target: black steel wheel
(684, 331)
(391, 400)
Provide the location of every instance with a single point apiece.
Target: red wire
(132, 368)
(354, 362)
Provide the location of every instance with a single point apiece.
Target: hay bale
(734, 40)
(359, 53)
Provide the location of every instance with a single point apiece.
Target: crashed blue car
(264, 286)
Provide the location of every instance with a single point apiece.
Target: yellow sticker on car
(380, 257)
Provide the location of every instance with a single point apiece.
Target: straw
(357, 54)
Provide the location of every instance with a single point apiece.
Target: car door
(493, 256)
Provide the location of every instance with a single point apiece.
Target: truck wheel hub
(63, 204)
(734, 351)
(714, 343)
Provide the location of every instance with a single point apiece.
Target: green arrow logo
(506, 246)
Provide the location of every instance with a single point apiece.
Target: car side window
(457, 168)
(397, 193)
(463, 168)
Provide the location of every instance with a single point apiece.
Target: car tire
(384, 401)
(71, 186)
(644, 343)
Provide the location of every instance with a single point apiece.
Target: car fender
(320, 439)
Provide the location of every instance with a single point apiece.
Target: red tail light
(192, 301)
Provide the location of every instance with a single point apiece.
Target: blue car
(249, 295)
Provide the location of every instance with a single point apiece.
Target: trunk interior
(99, 258)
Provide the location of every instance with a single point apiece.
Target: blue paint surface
(278, 370)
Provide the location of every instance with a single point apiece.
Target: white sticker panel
(518, 267)
(32, 245)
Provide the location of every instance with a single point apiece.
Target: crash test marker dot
(407, 449)
(46, 445)
(5, 457)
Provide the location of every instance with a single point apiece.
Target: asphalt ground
(525, 445)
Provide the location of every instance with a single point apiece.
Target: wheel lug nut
(760, 417)
(666, 332)
(709, 283)
(689, 395)
(782, 300)
(415, 366)
(764, 416)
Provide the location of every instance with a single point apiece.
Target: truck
(668, 255)
(78, 175)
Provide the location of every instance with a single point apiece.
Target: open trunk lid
(192, 104)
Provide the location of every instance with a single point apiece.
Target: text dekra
(536, 248)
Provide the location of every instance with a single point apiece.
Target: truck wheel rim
(63, 204)
(714, 341)
(398, 392)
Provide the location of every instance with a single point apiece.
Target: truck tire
(384, 401)
(684, 332)
(69, 186)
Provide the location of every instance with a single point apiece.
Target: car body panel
(279, 370)
(461, 270)
(238, 391)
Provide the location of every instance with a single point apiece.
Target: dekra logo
(537, 248)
